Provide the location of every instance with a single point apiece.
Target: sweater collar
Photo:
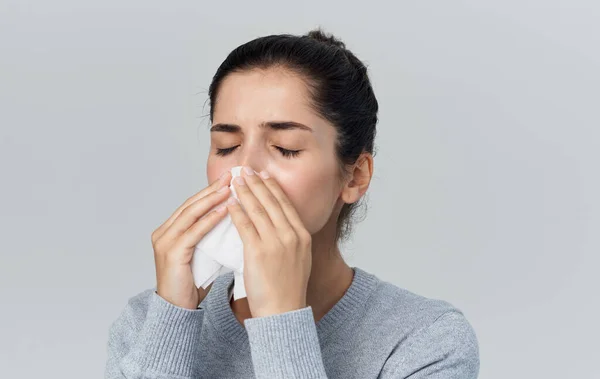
(222, 317)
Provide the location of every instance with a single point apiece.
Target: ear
(359, 180)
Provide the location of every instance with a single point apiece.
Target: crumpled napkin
(220, 251)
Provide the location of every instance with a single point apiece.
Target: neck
(329, 279)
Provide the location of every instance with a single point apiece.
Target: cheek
(313, 197)
(214, 169)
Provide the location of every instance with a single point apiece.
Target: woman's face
(300, 156)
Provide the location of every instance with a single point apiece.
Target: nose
(253, 157)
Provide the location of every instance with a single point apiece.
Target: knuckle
(285, 201)
(247, 226)
(192, 209)
(305, 238)
(272, 199)
(259, 210)
(154, 236)
(187, 210)
(215, 185)
(191, 199)
(289, 238)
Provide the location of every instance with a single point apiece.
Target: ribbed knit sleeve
(158, 343)
(285, 345)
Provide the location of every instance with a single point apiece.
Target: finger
(224, 179)
(268, 200)
(285, 203)
(193, 212)
(242, 222)
(254, 209)
(198, 230)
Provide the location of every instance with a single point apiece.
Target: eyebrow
(274, 125)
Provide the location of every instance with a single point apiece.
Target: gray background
(486, 181)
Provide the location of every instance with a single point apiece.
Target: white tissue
(220, 251)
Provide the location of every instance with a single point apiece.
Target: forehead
(258, 95)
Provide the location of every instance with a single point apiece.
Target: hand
(175, 240)
(277, 246)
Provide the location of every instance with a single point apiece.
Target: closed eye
(285, 152)
(226, 151)
(288, 153)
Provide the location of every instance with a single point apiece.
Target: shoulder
(413, 309)
(403, 307)
(420, 331)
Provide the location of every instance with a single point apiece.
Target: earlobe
(350, 195)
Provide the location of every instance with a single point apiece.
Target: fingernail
(240, 180)
(264, 174)
(248, 170)
(221, 208)
(223, 189)
(232, 201)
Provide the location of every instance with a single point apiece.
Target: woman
(301, 113)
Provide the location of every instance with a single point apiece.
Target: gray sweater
(376, 330)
